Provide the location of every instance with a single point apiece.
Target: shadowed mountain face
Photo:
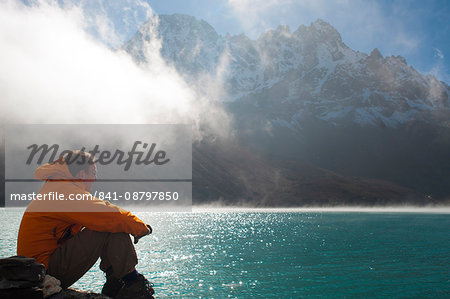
(230, 174)
(306, 98)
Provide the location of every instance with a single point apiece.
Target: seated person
(68, 236)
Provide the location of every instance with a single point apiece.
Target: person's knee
(93, 233)
(120, 236)
(98, 236)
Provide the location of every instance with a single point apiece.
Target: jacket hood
(57, 170)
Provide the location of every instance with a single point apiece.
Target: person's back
(44, 223)
(39, 234)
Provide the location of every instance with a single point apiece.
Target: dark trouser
(78, 254)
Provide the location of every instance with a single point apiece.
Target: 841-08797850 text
(135, 195)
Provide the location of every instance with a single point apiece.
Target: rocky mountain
(228, 173)
(309, 100)
(306, 72)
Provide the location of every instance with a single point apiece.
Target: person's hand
(149, 231)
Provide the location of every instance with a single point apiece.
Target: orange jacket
(46, 223)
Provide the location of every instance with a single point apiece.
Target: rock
(22, 277)
(29, 293)
(51, 286)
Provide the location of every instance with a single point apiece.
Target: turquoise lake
(285, 254)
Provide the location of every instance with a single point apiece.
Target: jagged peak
(321, 29)
(240, 37)
(283, 29)
(431, 77)
(186, 19)
(376, 54)
(179, 16)
(182, 21)
(400, 59)
(321, 24)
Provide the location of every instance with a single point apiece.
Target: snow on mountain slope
(309, 71)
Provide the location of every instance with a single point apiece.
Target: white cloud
(112, 22)
(439, 53)
(53, 71)
(438, 70)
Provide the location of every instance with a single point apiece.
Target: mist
(53, 70)
(207, 208)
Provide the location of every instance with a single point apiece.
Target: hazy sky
(416, 30)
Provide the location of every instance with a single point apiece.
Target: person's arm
(103, 216)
